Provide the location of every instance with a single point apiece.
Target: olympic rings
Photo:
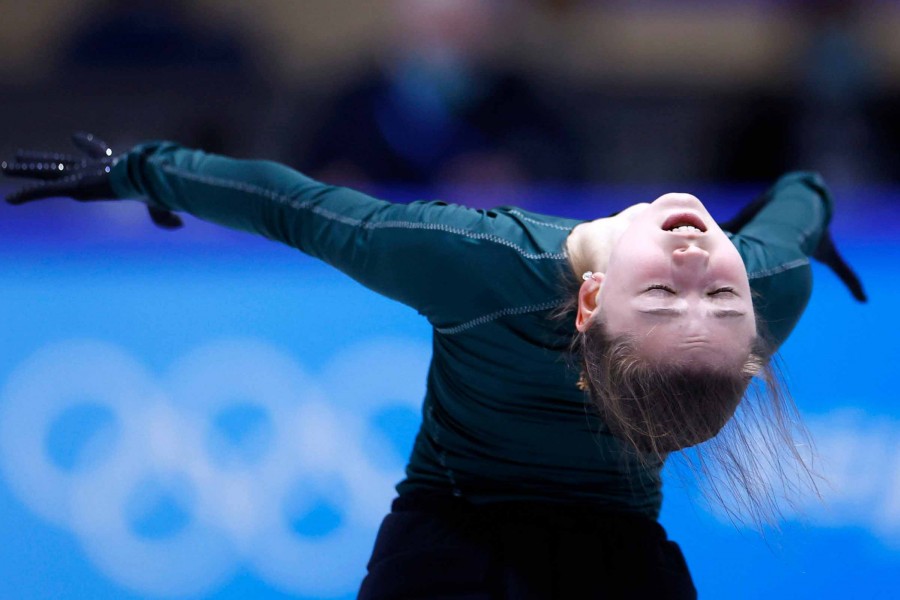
(316, 446)
(857, 471)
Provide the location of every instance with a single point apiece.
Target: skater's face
(675, 284)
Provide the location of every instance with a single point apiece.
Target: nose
(691, 257)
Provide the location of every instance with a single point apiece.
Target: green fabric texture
(502, 417)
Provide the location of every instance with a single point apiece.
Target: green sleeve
(422, 254)
(776, 245)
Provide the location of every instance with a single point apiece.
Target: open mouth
(684, 223)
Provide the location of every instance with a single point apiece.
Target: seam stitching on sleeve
(281, 199)
(541, 223)
(779, 269)
(498, 314)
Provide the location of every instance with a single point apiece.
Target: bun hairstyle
(737, 428)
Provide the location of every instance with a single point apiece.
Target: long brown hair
(736, 430)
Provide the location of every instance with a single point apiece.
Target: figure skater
(534, 474)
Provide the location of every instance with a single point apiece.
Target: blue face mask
(441, 77)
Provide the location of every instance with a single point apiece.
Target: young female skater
(531, 476)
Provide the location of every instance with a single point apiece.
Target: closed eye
(724, 292)
(660, 286)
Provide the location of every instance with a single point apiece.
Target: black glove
(826, 252)
(63, 175)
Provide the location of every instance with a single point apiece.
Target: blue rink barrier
(208, 414)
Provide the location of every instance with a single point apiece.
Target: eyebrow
(674, 312)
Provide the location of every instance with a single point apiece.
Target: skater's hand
(827, 253)
(84, 178)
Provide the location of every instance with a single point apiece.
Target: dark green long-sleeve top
(503, 418)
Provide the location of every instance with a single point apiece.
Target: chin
(678, 199)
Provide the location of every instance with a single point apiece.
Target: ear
(588, 301)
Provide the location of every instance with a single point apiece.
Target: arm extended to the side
(346, 228)
(776, 235)
(794, 217)
(420, 253)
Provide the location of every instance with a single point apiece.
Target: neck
(590, 244)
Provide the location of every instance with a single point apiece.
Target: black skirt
(445, 547)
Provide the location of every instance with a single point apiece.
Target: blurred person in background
(163, 55)
(437, 107)
(824, 119)
(534, 477)
(834, 131)
(142, 34)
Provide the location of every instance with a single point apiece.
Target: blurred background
(177, 413)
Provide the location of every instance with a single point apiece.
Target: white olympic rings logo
(322, 446)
